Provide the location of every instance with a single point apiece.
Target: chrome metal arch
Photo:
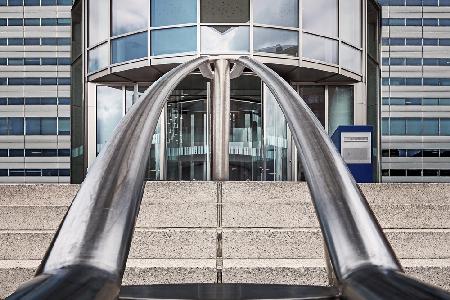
(87, 257)
(358, 249)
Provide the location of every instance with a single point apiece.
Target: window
(98, 21)
(282, 12)
(41, 126)
(314, 96)
(64, 126)
(15, 126)
(174, 40)
(397, 126)
(320, 48)
(129, 16)
(110, 102)
(98, 58)
(341, 109)
(130, 47)
(172, 12)
(276, 41)
(225, 39)
(321, 16)
(351, 21)
(445, 127)
(351, 58)
(430, 127)
(230, 11)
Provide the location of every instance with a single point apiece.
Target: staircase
(247, 232)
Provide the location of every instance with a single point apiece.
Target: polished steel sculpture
(87, 257)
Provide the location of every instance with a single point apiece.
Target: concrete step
(138, 272)
(276, 271)
(259, 243)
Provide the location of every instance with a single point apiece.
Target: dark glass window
(15, 41)
(414, 153)
(16, 153)
(413, 22)
(445, 173)
(445, 127)
(32, 22)
(3, 126)
(32, 2)
(64, 172)
(15, 126)
(16, 172)
(49, 61)
(48, 101)
(431, 153)
(3, 152)
(33, 101)
(15, 101)
(48, 2)
(384, 172)
(49, 22)
(32, 61)
(231, 11)
(385, 153)
(33, 126)
(32, 42)
(3, 172)
(15, 22)
(430, 22)
(33, 172)
(63, 152)
(64, 101)
(398, 172)
(430, 42)
(445, 152)
(431, 173)
(49, 172)
(413, 172)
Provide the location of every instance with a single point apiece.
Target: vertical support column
(220, 120)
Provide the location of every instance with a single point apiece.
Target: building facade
(35, 38)
(416, 91)
(327, 49)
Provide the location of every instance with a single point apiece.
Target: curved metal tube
(351, 232)
(97, 231)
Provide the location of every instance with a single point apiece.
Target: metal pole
(220, 120)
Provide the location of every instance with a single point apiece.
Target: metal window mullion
(198, 29)
(251, 27)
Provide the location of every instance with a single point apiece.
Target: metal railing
(87, 257)
(362, 259)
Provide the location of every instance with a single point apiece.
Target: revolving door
(259, 145)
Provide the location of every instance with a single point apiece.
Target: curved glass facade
(327, 32)
(317, 46)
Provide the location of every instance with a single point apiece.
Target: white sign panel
(356, 147)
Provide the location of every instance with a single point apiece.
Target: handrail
(94, 238)
(352, 235)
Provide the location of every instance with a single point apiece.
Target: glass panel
(130, 47)
(275, 41)
(225, 39)
(373, 31)
(320, 48)
(129, 97)
(351, 58)
(413, 126)
(430, 127)
(129, 16)
(275, 139)
(109, 112)
(98, 21)
(98, 58)
(445, 127)
(64, 126)
(321, 16)
(171, 12)
(33, 126)
(282, 12)
(15, 126)
(230, 11)
(186, 140)
(314, 96)
(340, 107)
(174, 40)
(351, 22)
(48, 126)
(397, 126)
